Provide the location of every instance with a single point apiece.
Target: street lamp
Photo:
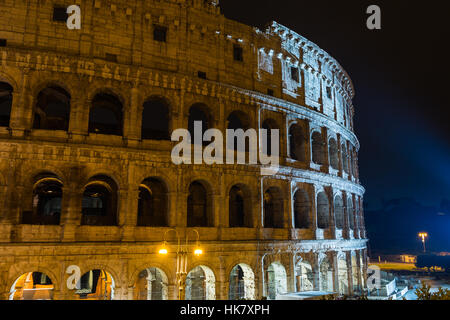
(182, 255)
(423, 235)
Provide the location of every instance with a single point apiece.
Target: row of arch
(152, 283)
(52, 111)
(99, 202)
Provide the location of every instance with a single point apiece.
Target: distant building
(406, 258)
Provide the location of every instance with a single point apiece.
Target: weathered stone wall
(41, 52)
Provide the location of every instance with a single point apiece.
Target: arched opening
(276, 280)
(155, 119)
(240, 207)
(297, 143)
(326, 276)
(333, 154)
(95, 285)
(201, 284)
(6, 98)
(32, 286)
(273, 208)
(151, 285)
(199, 112)
(323, 211)
(199, 206)
(344, 158)
(304, 276)
(351, 214)
(153, 204)
(242, 283)
(46, 201)
(269, 125)
(106, 115)
(339, 212)
(318, 148)
(343, 275)
(235, 121)
(99, 204)
(302, 209)
(52, 111)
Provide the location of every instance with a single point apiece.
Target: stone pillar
(216, 210)
(172, 292)
(79, 120)
(290, 209)
(316, 272)
(325, 166)
(334, 263)
(173, 208)
(222, 290)
(21, 109)
(71, 213)
(348, 258)
(133, 127)
(126, 216)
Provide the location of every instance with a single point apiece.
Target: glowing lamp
(163, 249)
(198, 252)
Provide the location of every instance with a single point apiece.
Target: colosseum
(92, 205)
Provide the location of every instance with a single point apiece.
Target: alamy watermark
(373, 278)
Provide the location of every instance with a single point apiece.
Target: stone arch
(202, 113)
(339, 212)
(302, 209)
(304, 275)
(111, 173)
(153, 203)
(333, 153)
(96, 284)
(276, 280)
(33, 285)
(199, 204)
(242, 283)
(4, 77)
(6, 101)
(240, 206)
(238, 119)
(317, 148)
(323, 210)
(273, 208)
(151, 284)
(201, 284)
(100, 201)
(44, 194)
(297, 142)
(52, 108)
(326, 275)
(155, 123)
(106, 113)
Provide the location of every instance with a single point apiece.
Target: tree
(424, 293)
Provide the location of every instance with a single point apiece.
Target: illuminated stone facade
(84, 182)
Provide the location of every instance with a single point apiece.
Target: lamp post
(423, 235)
(182, 257)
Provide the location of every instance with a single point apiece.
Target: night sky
(401, 76)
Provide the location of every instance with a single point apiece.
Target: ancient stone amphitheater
(86, 177)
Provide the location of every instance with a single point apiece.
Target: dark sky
(401, 76)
